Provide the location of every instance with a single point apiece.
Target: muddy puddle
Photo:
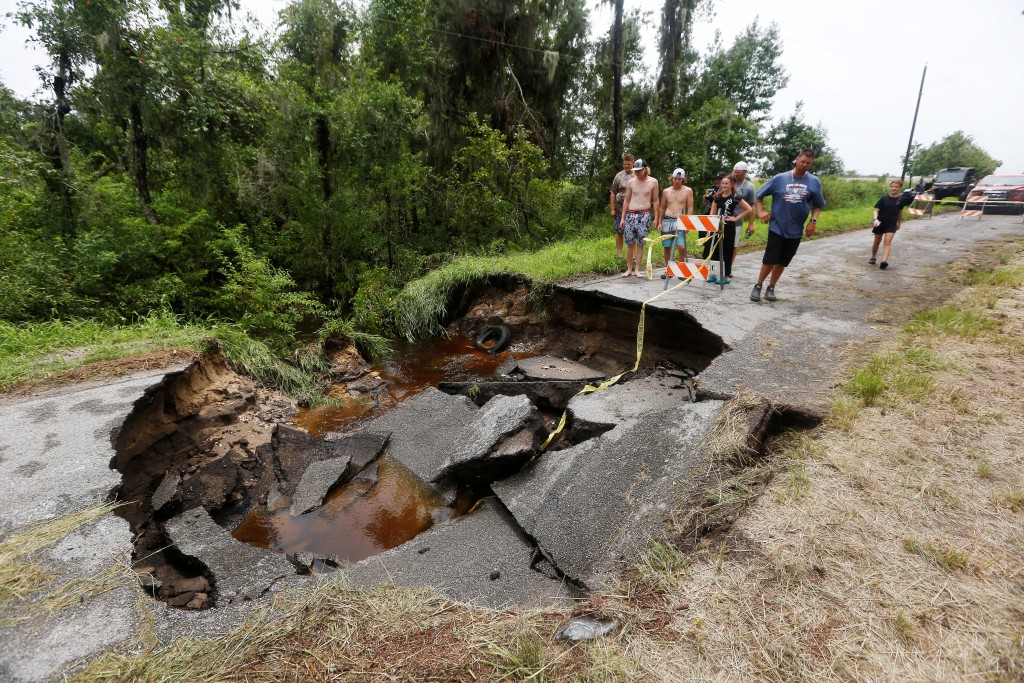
(357, 520)
(411, 368)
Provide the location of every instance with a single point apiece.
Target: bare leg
(630, 248)
(776, 274)
(765, 270)
(888, 244)
(668, 254)
(618, 244)
(874, 247)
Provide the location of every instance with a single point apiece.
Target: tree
(748, 73)
(956, 149)
(677, 18)
(789, 136)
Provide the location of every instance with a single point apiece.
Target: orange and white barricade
(697, 271)
(702, 223)
(973, 212)
(922, 205)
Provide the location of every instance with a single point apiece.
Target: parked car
(953, 182)
(1000, 188)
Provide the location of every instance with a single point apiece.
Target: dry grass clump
(336, 633)
(20, 577)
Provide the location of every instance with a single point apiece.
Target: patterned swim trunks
(638, 226)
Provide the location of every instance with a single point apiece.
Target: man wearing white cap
(675, 201)
(746, 190)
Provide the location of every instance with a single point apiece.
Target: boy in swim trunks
(675, 201)
(640, 202)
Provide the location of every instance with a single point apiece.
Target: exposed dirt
(102, 370)
(193, 440)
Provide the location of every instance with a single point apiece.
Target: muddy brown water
(357, 520)
(410, 369)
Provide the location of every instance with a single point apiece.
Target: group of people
(635, 204)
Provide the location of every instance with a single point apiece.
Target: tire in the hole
(500, 335)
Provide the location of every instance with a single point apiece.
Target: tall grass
(29, 351)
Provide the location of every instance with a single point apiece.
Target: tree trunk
(665, 90)
(617, 114)
(140, 152)
(323, 148)
(56, 146)
(687, 10)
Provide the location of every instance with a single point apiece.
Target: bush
(841, 193)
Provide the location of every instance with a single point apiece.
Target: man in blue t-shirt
(795, 195)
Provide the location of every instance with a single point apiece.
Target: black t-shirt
(889, 210)
(728, 206)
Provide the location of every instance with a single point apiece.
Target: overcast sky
(855, 65)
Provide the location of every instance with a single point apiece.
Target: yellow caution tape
(588, 389)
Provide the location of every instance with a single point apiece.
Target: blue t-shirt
(792, 199)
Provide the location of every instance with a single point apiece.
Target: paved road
(788, 351)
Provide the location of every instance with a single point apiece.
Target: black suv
(953, 182)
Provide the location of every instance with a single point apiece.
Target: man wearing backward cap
(675, 201)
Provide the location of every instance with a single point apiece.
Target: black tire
(500, 333)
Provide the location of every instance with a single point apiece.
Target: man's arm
(625, 203)
(750, 218)
(818, 202)
(659, 213)
(688, 209)
(611, 202)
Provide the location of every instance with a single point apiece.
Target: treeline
(182, 161)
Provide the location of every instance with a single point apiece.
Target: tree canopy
(183, 160)
(956, 149)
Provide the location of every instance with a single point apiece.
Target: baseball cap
(741, 166)
(679, 173)
(720, 175)
(638, 164)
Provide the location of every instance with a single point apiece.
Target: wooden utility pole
(910, 143)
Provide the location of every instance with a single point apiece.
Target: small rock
(194, 585)
(181, 600)
(585, 628)
(494, 575)
(197, 602)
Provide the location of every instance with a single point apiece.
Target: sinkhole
(418, 441)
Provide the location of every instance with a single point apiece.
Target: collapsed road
(198, 449)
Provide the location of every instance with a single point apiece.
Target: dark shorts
(619, 228)
(882, 229)
(780, 250)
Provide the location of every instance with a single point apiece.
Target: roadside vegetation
(881, 545)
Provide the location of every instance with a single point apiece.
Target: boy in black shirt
(887, 219)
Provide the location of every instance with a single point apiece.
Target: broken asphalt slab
(240, 572)
(435, 434)
(788, 351)
(585, 505)
(482, 558)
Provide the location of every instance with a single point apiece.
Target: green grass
(906, 374)
(661, 566)
(1000, 277)
(30, 351)
(423, 303)
(950, 320)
